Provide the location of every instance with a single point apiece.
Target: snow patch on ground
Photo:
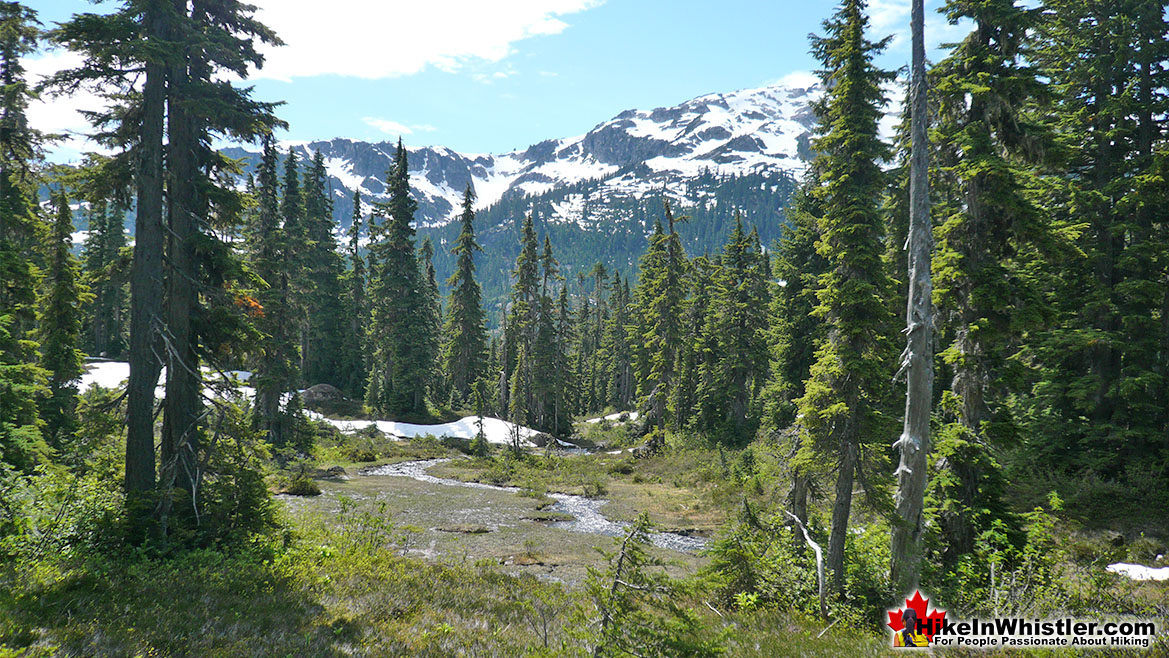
(107, 374)
(613, 417)
(1138, 571)
(497, 431)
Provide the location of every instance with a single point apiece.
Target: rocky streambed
(585, 512)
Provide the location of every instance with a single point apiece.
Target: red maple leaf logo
(928, 623)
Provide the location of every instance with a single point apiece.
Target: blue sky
(495, 76)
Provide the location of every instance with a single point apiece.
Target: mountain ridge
(633, 154)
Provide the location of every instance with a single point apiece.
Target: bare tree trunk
(841, 509)
(799, 504)
(183, 385)
(917, 360)
(146, 278)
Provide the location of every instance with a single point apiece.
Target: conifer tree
(358, 310)
(104, 269)
(794, 330)
(991, 231)
(465, 352)
(59, 329)
(397, 330)
(432, 310)
(184, 51)
(917, 360)
(844, 405)
(618, 364)
(21, 378)
(735, 352)
(657, 301)
(325, 305)
(275, 367)
(523, 324)
(692, 353)
(294, 229)
(139, 36)
(1100, 405)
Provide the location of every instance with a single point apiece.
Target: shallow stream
(586, 512)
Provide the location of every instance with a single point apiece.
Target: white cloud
(891, 17)
(797, 79)
(391, 127)
(61, 114)
(387, 39)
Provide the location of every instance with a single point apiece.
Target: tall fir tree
(991, 232)
(59, 329)
(523, 326)
(104, 267)
(325, 305)
(22, 380)
(657, 301)
(275, 365)
(432, 310)
(356, 325)
(398, 326)
(735, 356)
(844, 406)
(465, 331)
(1100, 404)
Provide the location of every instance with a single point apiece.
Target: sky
(494, 76)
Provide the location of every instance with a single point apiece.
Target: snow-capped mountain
(635, 154)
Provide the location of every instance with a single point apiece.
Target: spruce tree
(692, 350)
(990, 235)
(141, 35)
(432, 311)
(59, 329)
(465, 352)
(618, 356)
(1101, 402)
(657, 301)
(104, 267)
(325, 305)
(398, 324)
(275, 366)
(357, 309)
(523, 326)
(22, 381)
(844, 405)
(734, 362)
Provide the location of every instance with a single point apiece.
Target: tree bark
(841, 509)
(146, 276)
(180, 426)
(918, 357)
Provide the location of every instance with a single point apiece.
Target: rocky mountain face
(635, 154)
(596, 195)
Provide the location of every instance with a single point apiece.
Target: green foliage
(846, 402)
(274, 366)
(762, 565)
(398, 328)
(636, 610)
(465, 332)
(59, 329)
(734, 363)
(324, 299)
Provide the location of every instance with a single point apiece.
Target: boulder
(329, 400)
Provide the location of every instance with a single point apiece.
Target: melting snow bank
(496, 430)
(1139, 571)
(631, 415)
(113, 374)
(586, 511)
